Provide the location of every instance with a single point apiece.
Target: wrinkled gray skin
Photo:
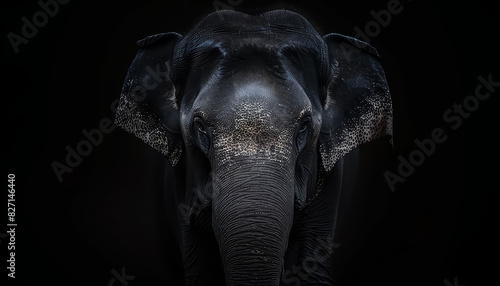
(254, 114)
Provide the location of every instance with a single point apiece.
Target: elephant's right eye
(202, 135)
(201, 128)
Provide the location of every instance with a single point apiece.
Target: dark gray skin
(254, 114)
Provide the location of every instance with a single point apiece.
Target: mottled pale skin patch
(254, 117)
(253, 135)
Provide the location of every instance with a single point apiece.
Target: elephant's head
(261, 107)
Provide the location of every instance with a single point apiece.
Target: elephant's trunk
(252, 217)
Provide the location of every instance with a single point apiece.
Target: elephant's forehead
(256, 129)
(251, 133)
(251, 118)
(253, 96)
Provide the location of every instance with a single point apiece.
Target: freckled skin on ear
(254, 114)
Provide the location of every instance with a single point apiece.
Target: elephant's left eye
(302, 134)
(201, 128)
(202, 135)
(303, 127)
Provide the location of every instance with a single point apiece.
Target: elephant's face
(260, 106)
(250, 116)
(250, 108)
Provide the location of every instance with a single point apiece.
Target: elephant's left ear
(147, 105)
(358, 107)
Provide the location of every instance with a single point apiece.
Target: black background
(437, 228)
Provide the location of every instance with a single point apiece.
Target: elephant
(254, 114)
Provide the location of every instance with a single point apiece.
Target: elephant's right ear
(147, 105)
